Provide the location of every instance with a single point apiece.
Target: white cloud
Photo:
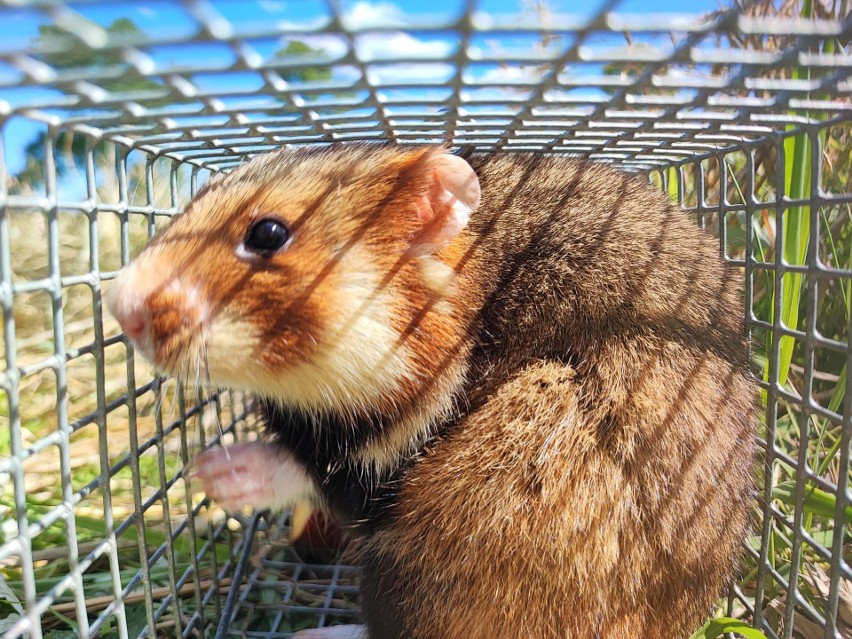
(510, 74)
(309, 24)
(388, 46)
(272, 6)
(413, 73)
(365, 15)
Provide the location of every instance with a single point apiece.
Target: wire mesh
(113, 113)
(791, 475)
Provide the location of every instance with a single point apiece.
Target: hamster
(519, 381)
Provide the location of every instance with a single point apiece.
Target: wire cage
(113, 113)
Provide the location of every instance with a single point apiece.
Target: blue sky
(166, 20)
(169, 18)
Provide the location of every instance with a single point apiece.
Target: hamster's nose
(126, 305)
(132, 321)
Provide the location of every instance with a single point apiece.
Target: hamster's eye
(265, 237)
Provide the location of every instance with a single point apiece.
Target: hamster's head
(305, 276)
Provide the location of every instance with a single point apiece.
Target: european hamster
(520, 381)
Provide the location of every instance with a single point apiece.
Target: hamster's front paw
(250, 474)
(334, 632)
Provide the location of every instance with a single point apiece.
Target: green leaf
(839, 391)
(722, 625)
(136, 618)
(72, 624)
(10, 607)
(815, 501)
(795, 227)
(672, 188)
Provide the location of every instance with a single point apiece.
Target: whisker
(174, 381)
(177, 379)
(132, 199)
(158, 402)
(216, 406)
(198, 391)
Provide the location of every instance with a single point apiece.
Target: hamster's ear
(444, 206)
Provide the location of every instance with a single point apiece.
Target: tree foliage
(70, 148)
(297, 48)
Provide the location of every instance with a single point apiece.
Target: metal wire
(130, 120)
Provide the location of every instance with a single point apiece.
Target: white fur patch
(356, 361)
(410, 432)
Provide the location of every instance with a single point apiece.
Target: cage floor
(275, 593)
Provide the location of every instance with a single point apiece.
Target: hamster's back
(598, 486)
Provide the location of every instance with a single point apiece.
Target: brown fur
(599, 485)
(565, 449)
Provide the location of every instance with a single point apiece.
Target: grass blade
(797, 221)
(722, 625)
(796, 228)
(816, 501)
(672, 184)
